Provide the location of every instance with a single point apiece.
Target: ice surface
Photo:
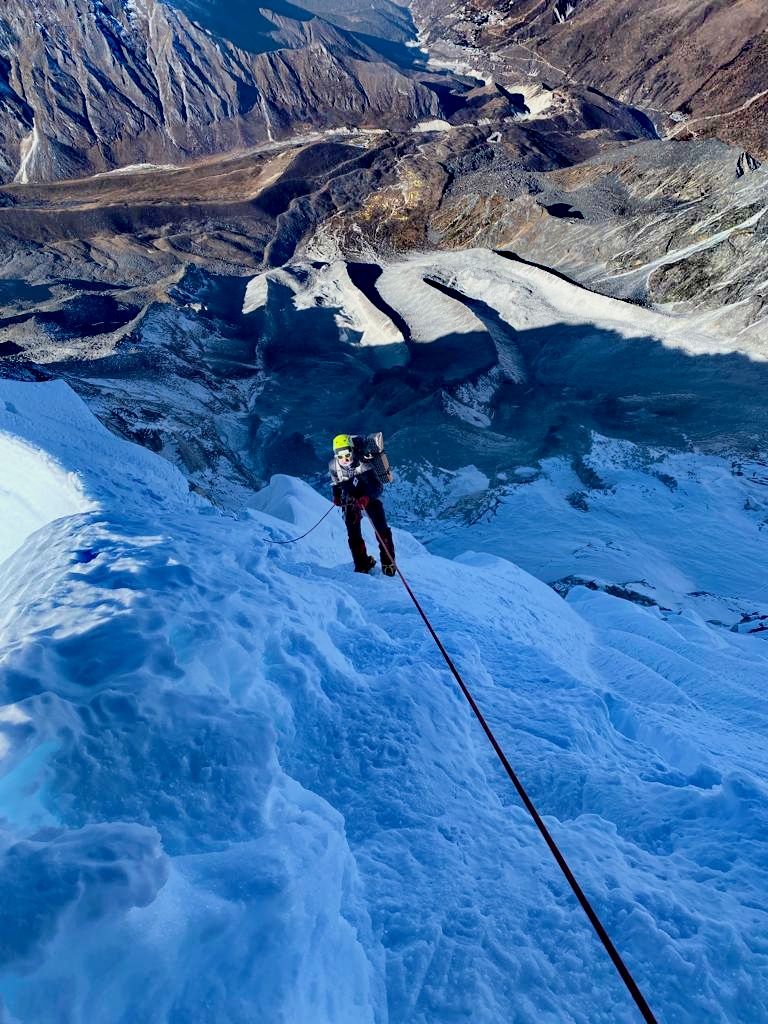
(238, 783)
(357, 318)
(429, 313)
(154, 857)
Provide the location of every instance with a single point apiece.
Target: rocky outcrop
(746, 164)
(89, 85)
(655, 221)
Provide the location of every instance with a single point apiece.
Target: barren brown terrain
(700, 66)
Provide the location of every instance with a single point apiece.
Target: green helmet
(342, 441)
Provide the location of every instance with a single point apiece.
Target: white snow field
(238, 783)
(682, 530)
(524, 297)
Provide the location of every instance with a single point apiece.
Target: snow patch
(136, 169)
(27, 152)
(436, 125)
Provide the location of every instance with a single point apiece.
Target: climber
(359, 468)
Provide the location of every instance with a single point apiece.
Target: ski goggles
(345, 455)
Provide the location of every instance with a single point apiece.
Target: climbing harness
(294, 539)
(586, 906)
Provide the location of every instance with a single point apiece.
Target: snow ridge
(237, 777)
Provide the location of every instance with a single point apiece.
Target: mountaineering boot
(389, 570)
(366, 565)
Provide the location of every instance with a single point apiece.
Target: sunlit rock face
(698, 68)
(88, 87)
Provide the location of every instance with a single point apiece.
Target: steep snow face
(237, 778)
(44, 474)
(41, 492)
(155, 858)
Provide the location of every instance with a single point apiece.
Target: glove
(337, 500)
(362, 503)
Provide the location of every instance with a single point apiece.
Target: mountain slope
(88, 87)
(385, 25)
(703, 61)
(236, 379)
(240, 775)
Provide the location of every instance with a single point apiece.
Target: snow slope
(238, 783)
(684, 530)
(441, 294)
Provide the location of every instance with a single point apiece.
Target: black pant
(353, 519)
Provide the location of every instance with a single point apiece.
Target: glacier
(239, 784)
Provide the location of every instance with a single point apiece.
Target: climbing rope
(294, 539)
(586, 906)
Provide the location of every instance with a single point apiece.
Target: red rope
(586, 906)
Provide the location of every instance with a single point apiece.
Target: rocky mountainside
(385, 26)
(262, 203)
(89, 85)
(677, 225)
(699, 66)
